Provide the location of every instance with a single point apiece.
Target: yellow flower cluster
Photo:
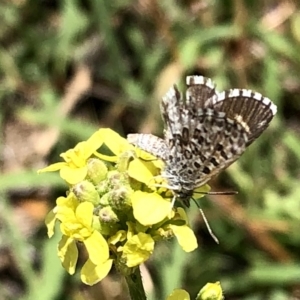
(211, 291)
(113, 207)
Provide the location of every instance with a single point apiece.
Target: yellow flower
(77, 226)
(137, 249)
(74, 169)
(211, 291)
(117, 209)
(62, 203)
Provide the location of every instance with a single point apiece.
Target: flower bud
(104, 200)
(120, 197)
(102, 187)
(96, 170)
(106, 214)
(124, 159)
(116, 178)
(179, 294)
(211, 291)
(86, 191)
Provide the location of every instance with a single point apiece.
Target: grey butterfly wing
(218, 142)
(207, 131)
(178, 122)
(249, 108)
(201, 93)
(201, 141)
(149, 143)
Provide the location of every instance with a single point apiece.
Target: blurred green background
(70, 67)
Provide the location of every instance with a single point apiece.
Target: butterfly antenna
(206, 222)
(218, 193)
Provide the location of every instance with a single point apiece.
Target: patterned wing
(227, 123)
(149, 143)
(201, 141)
(249, 108)
(177, 132)
(205, 132)
(201, 93)
(217, 142)
(171, 108)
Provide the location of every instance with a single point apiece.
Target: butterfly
(205, 132)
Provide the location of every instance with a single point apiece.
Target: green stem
(135, 285)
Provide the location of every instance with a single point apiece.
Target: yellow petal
(183, 214)
(84, 214)
(75, 157)
(144, 155)
(138, 249)
(110, 158)
(69, 201)
(149, 208)
(50, 223)
(65, 214)
(200, 191)
(130, 229)
(74, 229)
(158, 163)
(186, 237)
(142, 171)
(53, 167)
(73, 175)
(97, 248)
(114, 141)
(91, 273)
(120, 236)
(65, 209)
(94, 143)
(179, 294)
(68, 254)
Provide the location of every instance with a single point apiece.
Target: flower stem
(135, 285)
